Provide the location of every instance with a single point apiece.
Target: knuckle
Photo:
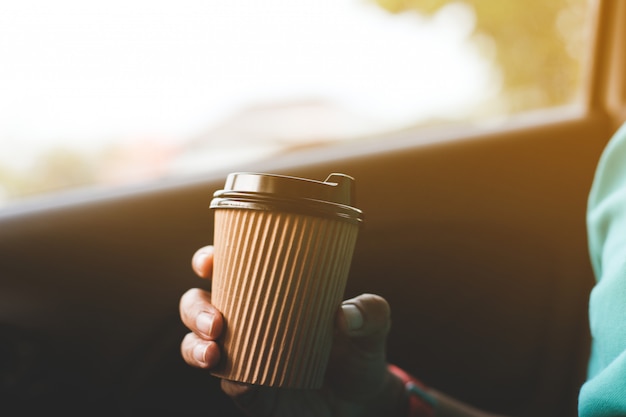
(188, 298)
(186, 348)
(189, 305)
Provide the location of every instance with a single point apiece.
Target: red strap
(418, 406)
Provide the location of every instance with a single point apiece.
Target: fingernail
(199, 353)
(353, 316)
(204, 323)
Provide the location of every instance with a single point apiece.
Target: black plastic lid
(249, 190)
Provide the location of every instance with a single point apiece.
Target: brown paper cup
(283, 248)
(278, 280)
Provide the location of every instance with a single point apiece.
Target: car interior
(475, 235)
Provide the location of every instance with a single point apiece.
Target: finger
(358, 365)
(243, 394)
(366, 320)
(199, 315)
(252, 399)
(199, 352)
(202, 262)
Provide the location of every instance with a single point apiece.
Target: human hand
(357, 383)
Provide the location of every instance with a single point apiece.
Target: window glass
(122, 91)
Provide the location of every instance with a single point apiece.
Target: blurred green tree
(60, 168)
(54, 170)
(538, 45)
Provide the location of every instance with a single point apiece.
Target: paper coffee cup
(282, 253)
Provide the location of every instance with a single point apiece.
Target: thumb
(366, 320)
(358, 363)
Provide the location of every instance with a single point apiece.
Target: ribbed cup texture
(278, 279)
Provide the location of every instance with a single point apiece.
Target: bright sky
(82, 72)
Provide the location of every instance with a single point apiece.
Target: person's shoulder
(616, 146)
(610, 172)
(602, 393)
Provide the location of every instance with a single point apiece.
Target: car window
(120, 92)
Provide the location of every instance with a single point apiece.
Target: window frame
(602, 108)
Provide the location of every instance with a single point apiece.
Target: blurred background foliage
(538, 45)
(55, 169)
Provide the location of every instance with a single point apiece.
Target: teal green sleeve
(604, 393)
